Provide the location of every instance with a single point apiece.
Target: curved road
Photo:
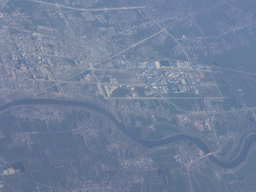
(147, 143)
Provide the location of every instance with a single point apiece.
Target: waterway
(147, 143)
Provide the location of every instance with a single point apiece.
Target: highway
(90, 10)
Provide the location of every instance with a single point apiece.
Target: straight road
(90, 10)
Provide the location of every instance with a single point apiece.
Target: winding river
(147, 143)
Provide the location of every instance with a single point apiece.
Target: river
(147, 143)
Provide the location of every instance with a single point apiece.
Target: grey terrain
(127, 95)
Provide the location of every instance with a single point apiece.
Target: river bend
(147, 143)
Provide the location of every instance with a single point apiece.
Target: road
(90, 10)
(135, 44)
